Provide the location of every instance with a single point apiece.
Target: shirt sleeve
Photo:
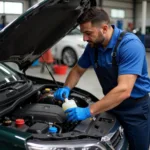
(131, 57)
(84, 60)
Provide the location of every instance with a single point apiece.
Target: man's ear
(105, 28)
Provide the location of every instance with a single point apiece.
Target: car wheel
(69, 57)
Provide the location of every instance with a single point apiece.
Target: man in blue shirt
(119, 61)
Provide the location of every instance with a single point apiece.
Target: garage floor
(88, 81)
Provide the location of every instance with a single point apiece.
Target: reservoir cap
(52, 129)
(19, 122)
(47, 89)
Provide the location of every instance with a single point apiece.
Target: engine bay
(42, 116)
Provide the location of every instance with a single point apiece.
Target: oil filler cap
(19, 122)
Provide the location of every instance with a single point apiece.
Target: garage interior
(129, 15)
(131, 18)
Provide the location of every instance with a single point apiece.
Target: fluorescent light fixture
(117, 13)
(11, 7)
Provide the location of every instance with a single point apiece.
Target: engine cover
(43, 112)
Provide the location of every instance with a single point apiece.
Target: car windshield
(76, 31)
(7, 75)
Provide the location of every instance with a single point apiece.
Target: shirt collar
(114, 37)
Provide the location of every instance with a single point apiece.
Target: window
(117, 13)
(11, 7)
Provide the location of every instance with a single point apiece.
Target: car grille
(116, 138)
(112, 141)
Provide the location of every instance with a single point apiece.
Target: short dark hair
(94, 15)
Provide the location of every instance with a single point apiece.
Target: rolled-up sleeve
(131, 57)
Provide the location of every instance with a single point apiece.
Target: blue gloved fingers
(73, 118)
(63, 94)
(70, 115)
(66, 94)
(60, 92)
(78, 113)
(70, 118)
(67, 91)
(69, 110)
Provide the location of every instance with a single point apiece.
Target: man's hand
(61, 92)
(78, 113)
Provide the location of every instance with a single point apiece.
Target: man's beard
(97, 43)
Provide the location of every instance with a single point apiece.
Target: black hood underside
(39, 28)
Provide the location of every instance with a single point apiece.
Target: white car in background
(70, 48)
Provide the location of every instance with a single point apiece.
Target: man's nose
(85, 38)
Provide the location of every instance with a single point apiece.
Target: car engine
(38, 116)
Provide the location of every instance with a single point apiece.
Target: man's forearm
(74, 76)
(72, 79)
(117, 95)
(111, 100)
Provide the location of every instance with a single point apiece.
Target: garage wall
(139, 14)
(126, 5)
(107, 5)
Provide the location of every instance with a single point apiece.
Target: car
(30, 116)
(146, 38)
(70, 48)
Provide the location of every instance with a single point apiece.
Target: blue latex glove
(78, 113)
(61, 92)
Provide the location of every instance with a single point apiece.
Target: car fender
(64, 43)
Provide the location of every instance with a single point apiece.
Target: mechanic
(119, 60)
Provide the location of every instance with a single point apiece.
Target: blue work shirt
(131, 59)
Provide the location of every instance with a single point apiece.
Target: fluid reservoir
(68, 104)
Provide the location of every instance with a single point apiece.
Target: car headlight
(81, 46)
(33, 146)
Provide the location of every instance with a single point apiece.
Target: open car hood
(39, 28)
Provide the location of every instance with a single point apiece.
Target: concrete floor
(88, 81)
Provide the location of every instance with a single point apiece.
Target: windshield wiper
(11, 83)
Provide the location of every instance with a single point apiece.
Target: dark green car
(30, 117)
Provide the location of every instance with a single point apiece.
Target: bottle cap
(66, 100)
(19, 122)
(52, 129)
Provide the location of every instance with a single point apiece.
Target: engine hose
(59, 127)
